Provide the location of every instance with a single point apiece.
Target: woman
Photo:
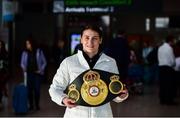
(33, 63)
(90, 57)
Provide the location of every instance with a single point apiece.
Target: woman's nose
(90, 41)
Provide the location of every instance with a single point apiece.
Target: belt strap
(94, 88)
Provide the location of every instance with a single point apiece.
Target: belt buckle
(94, 90)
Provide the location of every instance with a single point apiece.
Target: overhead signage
(88, 9)
(107, 6)
(88, 6)
(97, 2)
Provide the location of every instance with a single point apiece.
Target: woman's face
(90, 40)
(28, 45)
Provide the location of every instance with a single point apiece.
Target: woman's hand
(69, 102)
(124, 94)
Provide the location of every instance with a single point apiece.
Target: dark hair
(31, 41)
(94, 28)
(169, 38)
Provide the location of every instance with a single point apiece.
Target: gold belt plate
(94, 90)
(115, 85)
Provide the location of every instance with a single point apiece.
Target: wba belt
(94, 88)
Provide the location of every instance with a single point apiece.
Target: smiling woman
(91, 39)
(82, 80)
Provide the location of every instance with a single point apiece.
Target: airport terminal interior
(55, 24)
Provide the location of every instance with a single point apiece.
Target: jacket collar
(83, 61)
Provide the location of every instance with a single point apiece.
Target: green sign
(97, 2)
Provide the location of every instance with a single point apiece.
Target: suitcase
(20, 99)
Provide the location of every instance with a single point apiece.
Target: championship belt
(94, 88)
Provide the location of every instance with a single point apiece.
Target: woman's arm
(59, 84)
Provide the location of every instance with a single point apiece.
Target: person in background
(87, 58)
(147, 48)
(135, 74)
(59, 52)
(148, 72)
(166, 62)
(152, 59)
(3, 71)
(177, 67)
(119, 50)
(33, 63)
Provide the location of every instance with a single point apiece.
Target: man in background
(166, 62)
(119, 50)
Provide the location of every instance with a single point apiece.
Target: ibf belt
(94, 88)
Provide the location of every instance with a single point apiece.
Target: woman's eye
(95, 39)
(86, 38)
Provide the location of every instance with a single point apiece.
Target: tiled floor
(136, 105)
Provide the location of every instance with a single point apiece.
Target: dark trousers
(167, 84)
(33, 85)
(178, 82)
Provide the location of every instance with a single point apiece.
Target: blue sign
(8, 10)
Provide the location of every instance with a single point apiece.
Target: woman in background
(33, 63)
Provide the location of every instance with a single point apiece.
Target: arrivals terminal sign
(88, 6)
